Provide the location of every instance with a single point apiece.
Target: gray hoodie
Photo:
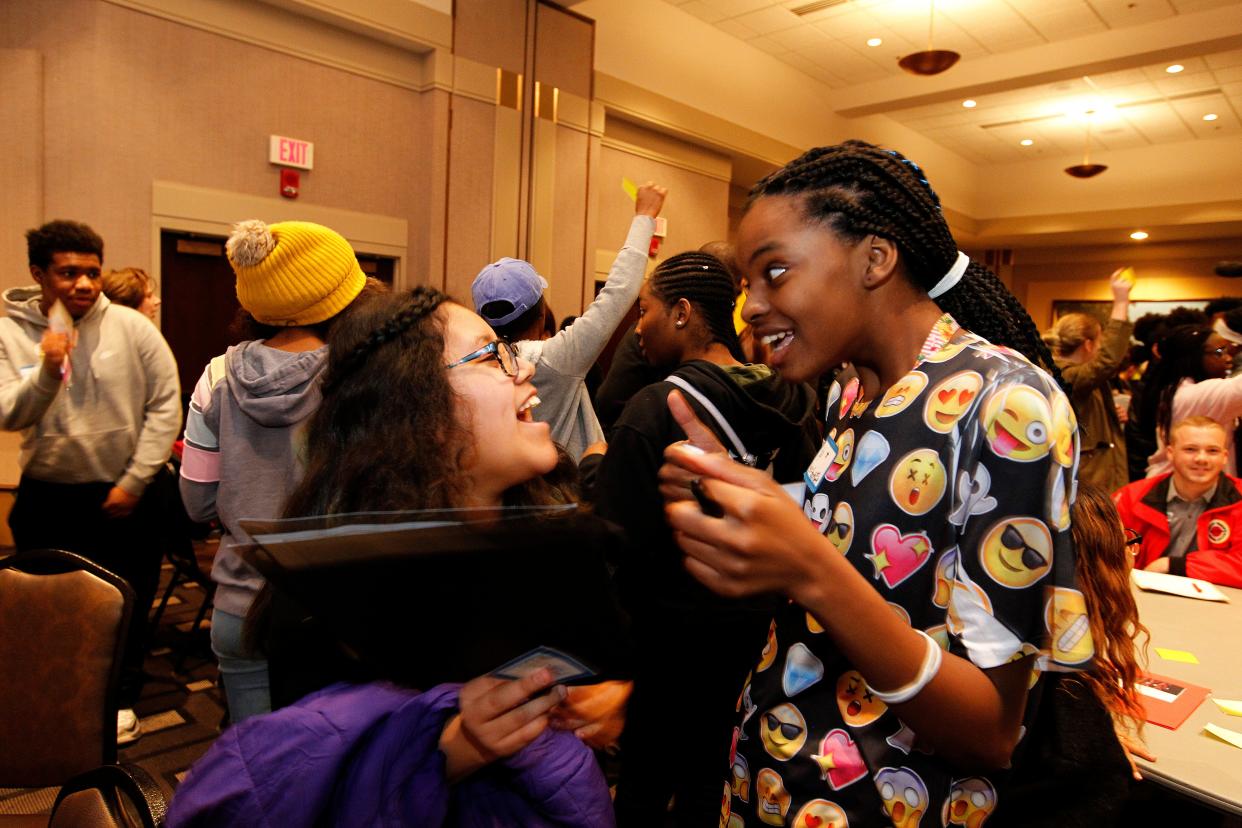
(243, 449)
(117, 418)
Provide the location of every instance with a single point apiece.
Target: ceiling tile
(771, 19)
(703, 11)
(737, 29)
(732, 8)
(1157, 122)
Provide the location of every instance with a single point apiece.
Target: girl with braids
(1191, 379)
(686, 636)
(423, 407)
(894, 683)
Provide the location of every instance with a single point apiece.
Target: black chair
(110, 796)
(185, 570)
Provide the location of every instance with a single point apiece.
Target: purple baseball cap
(507, 280)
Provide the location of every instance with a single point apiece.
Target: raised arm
(1114, 340)
(24, 400)
(574, 350)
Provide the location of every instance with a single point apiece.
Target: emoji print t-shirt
(951, 495)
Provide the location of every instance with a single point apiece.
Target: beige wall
(697, 179)
(1169, 272)
(130, 98)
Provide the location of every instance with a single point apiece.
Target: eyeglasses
(498, 348)
(1032, 558)
(1132, 539)
(789, 731)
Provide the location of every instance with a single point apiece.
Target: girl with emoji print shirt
(930, 570)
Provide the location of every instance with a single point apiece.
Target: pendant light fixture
(929, 61)
(1086, 169)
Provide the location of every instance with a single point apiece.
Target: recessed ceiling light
(875, 41)
(1211, 116)
(1026, 142)
(969, 104)
(1174, 69)
(1139, 235)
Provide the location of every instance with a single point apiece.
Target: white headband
(951, 278)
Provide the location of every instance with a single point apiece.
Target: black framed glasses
(1032, 558)
(502, 351)
(788, 730)
(1132, 539)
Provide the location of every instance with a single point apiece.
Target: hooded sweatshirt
(768, 414)
(243, 450)
(116, 418)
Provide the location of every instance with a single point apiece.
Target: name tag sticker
(27, 370)
(819, 466)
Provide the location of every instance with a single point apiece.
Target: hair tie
(951, 278)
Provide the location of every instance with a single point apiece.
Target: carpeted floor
(181, 708)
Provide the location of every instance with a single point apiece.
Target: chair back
(63, 622)
(111, 796)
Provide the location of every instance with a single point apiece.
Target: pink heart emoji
(840, 762)
(896, 556)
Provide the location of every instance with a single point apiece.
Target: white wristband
(927, 671)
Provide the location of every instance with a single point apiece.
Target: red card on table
(1168, 701)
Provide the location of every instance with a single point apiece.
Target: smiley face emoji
(845, 453)
(1018, 422)
(1017, 552)
(917, 482)
(971, 801)
(1068, 627)
(773, 799)
(946, 571)
(1063, 428)
(950, 399)
(901, 394)
(820, 813)
(840, 527)
(783, 731)
(904, 795)
(857, 705)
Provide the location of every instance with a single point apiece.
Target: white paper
(1177, 585)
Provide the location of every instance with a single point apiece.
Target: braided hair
(705, 282)
(857, 188)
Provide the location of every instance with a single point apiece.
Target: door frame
(189, 209)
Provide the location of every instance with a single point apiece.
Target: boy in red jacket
(1190, 520)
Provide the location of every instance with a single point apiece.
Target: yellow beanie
(293, 272)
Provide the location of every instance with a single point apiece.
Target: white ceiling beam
(1176, 38)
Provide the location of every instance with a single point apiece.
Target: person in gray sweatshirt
(508, 293)
(243, 433)
(92, 387)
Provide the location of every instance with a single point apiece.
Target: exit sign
(291, 152)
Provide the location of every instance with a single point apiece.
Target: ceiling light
(969, 104)
(1086, 169)
(1026, 142)
(1139, 235)
(1211, 116)
(1174, 69)
(929, 61)
(873, 42)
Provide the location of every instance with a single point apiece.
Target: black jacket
(770, 416)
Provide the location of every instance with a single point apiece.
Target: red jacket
(1215, 555)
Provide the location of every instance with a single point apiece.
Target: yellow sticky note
(1225, 734)
(1233, 708)
(1177, 655)
(1127, 274)
(631, 189)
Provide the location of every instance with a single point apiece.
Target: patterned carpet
(181, 710)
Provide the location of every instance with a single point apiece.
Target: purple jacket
(367, 755)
